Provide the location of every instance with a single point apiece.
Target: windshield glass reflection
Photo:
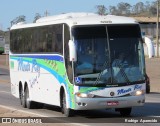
(113, 60)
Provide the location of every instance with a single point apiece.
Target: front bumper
(102, 103)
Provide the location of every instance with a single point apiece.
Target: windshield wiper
(100, 74)
(123, 73)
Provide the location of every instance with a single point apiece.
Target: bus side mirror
(72, 51)
(150, 47)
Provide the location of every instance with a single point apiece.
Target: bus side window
(58, 38)
(59, 43)
(48, 46)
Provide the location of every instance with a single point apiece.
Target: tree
(37, 16)
(124, 8)
(101, 9)
(18, 19)
(113, 10)
(138, 8)
(153, 8)
(128, 8)
(147, 6)
(1, 33)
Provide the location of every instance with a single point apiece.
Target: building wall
(146, 50)
(150, 29)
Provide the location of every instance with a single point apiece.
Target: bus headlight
(84, 95)
(138, 93)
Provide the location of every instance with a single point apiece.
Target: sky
(10, 9)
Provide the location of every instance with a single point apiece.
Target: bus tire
(29, 104)
(22, 98)
(125, 112)
(148, 89)
(66, 111)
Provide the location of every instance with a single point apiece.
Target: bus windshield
(109, 55)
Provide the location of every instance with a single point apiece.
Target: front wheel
(125, 111)
(147, 88)
(66, 111)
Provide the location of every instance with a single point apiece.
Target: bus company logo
(23, 66)
(26, 67)
(136, 87)
(123, 91)
(112, 93)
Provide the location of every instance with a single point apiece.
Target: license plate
(112, 103)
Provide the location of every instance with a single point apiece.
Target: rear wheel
(29, 104)
(66, 111)
(125, 111)
(22, 98)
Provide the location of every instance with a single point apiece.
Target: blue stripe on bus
(50, 57)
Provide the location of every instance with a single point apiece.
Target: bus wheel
(22, 98)
(125, 111)
(66, 111)
(29, 104)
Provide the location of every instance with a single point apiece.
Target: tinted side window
(37, 40)
(15, 42)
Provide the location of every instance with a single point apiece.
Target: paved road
(151, 108)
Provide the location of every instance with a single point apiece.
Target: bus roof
(73, 19)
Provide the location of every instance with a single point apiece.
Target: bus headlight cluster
(138, 93)
(84, 95)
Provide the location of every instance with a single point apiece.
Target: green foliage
(101, 9)
(123, 8)
(18, 19)
(1, 33)
(37, 16)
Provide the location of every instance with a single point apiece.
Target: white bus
(67, 61)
